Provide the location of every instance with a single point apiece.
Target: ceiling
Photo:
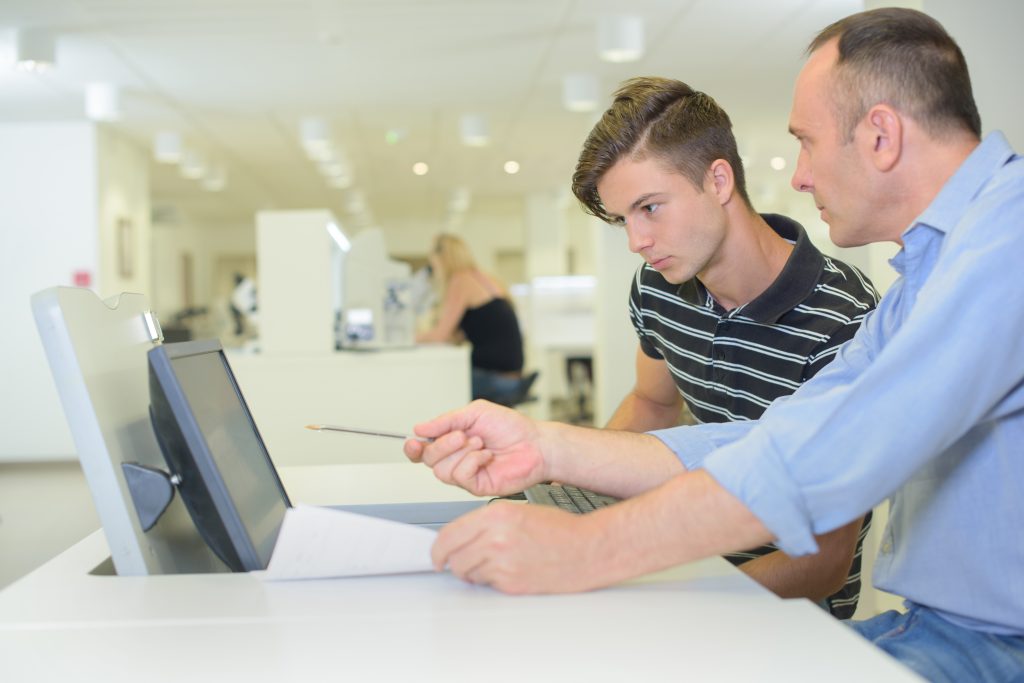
(235, 77)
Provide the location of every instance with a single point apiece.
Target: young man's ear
(883, 128)
(721, 180)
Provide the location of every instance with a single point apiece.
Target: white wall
(62, 188)
(57, 209)
(206, 244)
(988, 33)
(123, 195)
(489, 227)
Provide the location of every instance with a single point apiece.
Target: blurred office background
(139, 139)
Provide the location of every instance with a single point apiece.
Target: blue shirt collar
(960, 190)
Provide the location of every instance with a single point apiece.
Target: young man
(922, 405)
(733, 309)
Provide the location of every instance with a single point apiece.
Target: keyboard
(570, 498)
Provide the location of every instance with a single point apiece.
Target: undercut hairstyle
(657, 118)
(903, 58)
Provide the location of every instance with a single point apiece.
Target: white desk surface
(704, 621)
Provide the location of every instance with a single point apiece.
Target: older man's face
(832, 170)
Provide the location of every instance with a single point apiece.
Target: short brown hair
(662, 118)
(903, 58)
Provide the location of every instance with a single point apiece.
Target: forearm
(621, 464)
(688, 518)
(811, 576)
(637, 414)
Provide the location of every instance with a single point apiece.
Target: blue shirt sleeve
(940, 357)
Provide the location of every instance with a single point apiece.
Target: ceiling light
(459, 202)
(342, 181)
(356, 202)
(511, 167)
(332, 167)
(167, 147)
(620, 38)
(34, 49)
(579, 92)
(193, 166)
(473, 129)
(102, 102)
(216, 179)
(778, 163)
(316, 138)
(420, 168)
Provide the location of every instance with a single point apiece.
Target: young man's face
(829, 168)
(675, 227)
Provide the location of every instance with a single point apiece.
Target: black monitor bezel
(187, 454)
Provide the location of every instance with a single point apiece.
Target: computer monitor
(210, 441)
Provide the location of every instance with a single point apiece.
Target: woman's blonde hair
(453, 254)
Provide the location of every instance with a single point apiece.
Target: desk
(704, 621)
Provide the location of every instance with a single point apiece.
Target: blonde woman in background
(476, 307)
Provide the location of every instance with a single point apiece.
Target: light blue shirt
(925, 404)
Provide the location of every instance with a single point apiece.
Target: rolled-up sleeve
(940, 357)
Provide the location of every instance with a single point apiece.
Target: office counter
(704, 621)
(388, 390)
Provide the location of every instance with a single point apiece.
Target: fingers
(456, 536)
(468, 469)
(413, 449)
(459, 419)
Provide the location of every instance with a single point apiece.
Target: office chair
(521, 394)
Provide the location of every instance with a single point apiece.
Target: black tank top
(493, 331)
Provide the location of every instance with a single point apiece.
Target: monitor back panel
(97, 354)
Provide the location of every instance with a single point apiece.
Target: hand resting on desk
(520, 549)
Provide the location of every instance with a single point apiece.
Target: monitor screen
(209, 439)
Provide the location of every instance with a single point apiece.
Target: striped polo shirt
(730, 365)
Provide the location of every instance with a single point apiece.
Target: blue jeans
(941, 651)
(494, 387)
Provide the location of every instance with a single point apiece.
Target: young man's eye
(649, 208)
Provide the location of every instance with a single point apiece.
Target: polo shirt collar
(796, 281)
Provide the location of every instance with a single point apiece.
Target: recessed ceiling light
(473, 130)
(778, 163)
(34, 49)
(579, 92)
(167, 147)
(102, 102)
(620, 38)
(511, 167)
(193, 166)
(420, 168)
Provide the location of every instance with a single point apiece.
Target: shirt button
(887, 547)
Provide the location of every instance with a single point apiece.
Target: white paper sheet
(316, 542)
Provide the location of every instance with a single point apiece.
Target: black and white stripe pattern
(730, 365)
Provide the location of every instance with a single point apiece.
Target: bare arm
(452, 309)
(528, 548)
(811, 576)
(654, 402)
(491, 450)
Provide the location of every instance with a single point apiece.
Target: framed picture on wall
(125, 247)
